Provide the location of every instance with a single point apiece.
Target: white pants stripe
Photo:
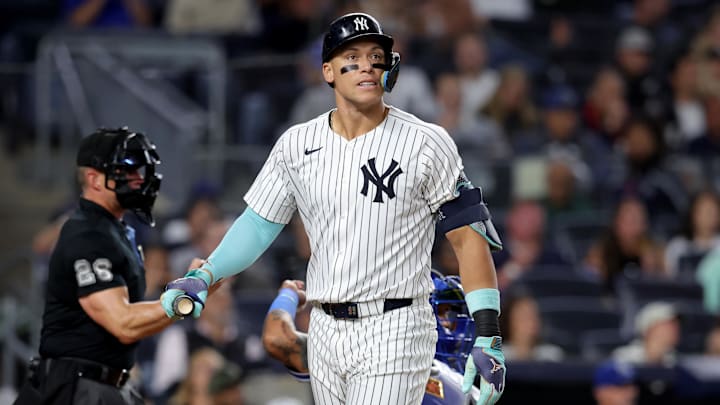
(382, 359)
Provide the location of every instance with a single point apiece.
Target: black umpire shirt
(92, 254)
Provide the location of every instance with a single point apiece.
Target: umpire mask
(123, 156)
(135, 153)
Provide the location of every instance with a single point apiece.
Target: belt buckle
(343, 311)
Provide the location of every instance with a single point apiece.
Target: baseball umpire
(369, 182)
(93, 315)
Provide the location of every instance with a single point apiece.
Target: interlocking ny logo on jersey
(361, 24)
(370, 174)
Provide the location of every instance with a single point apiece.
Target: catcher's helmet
(360, 25)
(455, 325)
(117, 153)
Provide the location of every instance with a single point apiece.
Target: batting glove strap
(487, 360)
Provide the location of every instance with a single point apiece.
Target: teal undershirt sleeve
(248, 237)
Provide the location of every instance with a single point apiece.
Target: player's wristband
(484, 298)
(484, 305)
(287, 300)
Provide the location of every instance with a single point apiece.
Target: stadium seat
(574, 316)
(598, 344)
(554, 282)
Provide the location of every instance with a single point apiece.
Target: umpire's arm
(111, 309)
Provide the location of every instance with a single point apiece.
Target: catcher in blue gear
(455, 339)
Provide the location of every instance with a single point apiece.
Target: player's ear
(328, 74)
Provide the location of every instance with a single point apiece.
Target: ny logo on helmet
(371, 176)
(361, 24)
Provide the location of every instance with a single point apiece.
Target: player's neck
(351, 122)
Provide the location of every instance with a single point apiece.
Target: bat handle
(183, 305)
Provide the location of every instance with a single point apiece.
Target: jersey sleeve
(442, 168)
(269, 195)
(95, 261)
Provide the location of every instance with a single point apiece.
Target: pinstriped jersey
(367, 204)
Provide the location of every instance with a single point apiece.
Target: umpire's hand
(488, 360)
(194, 285)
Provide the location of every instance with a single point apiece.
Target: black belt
(117, 377)
(349, 310)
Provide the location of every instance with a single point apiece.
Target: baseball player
(369, 182)
(454, 325)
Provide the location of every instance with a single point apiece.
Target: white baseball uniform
(368, 207)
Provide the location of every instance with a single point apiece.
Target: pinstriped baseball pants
(376, 360)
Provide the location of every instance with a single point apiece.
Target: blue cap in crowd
(613, 373)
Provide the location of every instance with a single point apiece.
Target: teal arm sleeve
(243, 243)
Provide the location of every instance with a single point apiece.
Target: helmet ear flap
(390, 76)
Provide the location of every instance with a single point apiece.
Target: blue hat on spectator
(559, 97)
(613, 373)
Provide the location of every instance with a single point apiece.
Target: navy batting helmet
(353, 26)
(360, 25)
(455, 326)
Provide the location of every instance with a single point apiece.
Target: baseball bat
(183, 305)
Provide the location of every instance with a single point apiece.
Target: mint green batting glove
(487, 359)
(194, 286)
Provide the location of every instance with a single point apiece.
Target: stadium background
(564, 112)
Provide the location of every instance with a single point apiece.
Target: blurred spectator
(657, 329)
(712, 341)
(212, 17)
(447, 19)
(634, 60)
(561, 136)
(186, 235)
(705, 49)
(511, 106)
(107, 13)
(699, 234)
(626, 246)
(484, 140)
(687, 113)
(649, 177)
(413, 91)
(193, 390)
(526, 244)
(653, 16)
(225, 386)
(605, 110)
(202, 204)
(614, 384)
(521, 327)
(564, 194)
(315, 97)
(708, 275)
(157, 269)
(478, 82)
(707, 146)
